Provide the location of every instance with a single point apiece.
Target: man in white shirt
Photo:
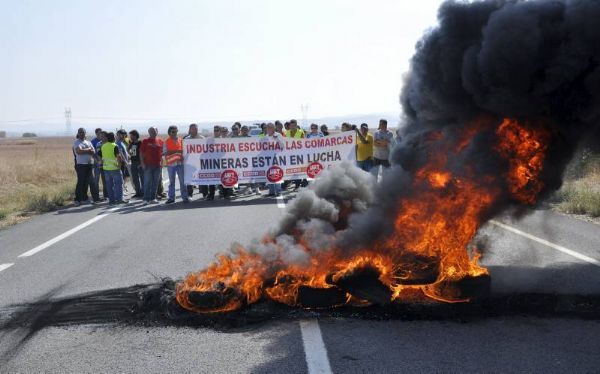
(84, 164)
(383, 140)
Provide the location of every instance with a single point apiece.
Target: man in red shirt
(151, 161)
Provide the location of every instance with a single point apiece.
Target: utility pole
(304, 109)
(68, 120)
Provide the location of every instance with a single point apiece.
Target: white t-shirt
(85, 158)
(383, 153)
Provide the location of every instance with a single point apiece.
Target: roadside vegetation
(580, 194)
(36, 176)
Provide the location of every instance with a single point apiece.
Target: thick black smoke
(534, 61)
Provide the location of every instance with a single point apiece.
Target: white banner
(229, 161)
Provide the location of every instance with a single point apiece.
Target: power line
(31, 120)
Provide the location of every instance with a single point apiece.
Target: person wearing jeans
(151, 181)
(97, 174)
(151, 161)
(274, 189)
(114, 185)
(173, 152)
(137, 173)
(173, 170)
(111, 164)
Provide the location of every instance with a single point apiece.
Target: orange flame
(525, 149)
(427, 253)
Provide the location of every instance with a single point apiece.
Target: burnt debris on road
(155, 305)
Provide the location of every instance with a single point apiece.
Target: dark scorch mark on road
(155, 305)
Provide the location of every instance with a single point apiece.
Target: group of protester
(115, 159)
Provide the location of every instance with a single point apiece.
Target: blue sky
(204, 60)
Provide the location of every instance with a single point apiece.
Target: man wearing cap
(173, 152)
(364, 148)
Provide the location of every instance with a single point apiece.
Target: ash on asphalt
(155, 305)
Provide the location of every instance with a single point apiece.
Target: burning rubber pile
(498, 97)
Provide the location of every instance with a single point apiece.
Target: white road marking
(314, 348)
(280, 202)
(5, 266)
(559, 248)
(62, 236)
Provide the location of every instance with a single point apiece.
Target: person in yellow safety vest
(294, 131)
(297, 133)
(364, 148)
(111, 164)
(173, 153)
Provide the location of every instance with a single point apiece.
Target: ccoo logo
(313, 169)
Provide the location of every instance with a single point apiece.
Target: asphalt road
(139, 245)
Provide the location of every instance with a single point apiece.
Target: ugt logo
(274, 174)
(229, 178)
(313, 169)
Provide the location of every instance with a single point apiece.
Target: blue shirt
(123, 149)
(313, 135)
(95, 142)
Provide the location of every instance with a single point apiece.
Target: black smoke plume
(533, 61)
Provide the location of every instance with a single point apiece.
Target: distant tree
(29, 135)
(2, 134)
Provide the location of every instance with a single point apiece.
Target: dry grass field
(36, 175)
(580, 194)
